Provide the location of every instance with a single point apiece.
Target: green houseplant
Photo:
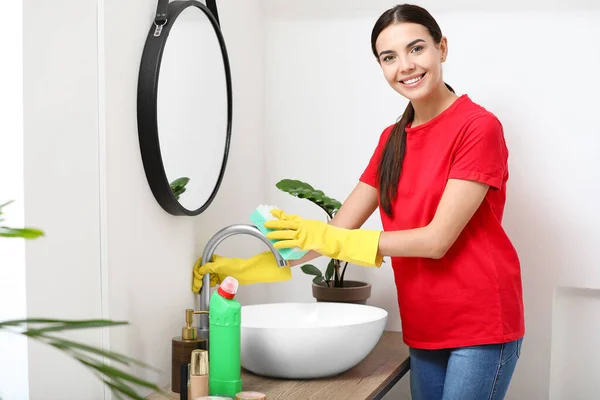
(122, 384)
(332, 285)
(178, 186)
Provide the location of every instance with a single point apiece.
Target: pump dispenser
(225, 377)
(182, 347)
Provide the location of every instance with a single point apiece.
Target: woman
(439, 178)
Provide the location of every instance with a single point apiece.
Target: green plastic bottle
(224, 340)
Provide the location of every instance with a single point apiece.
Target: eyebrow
(411, 44)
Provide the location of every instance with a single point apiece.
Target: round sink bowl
(308, 340)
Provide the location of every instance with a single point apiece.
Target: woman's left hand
(357, 246)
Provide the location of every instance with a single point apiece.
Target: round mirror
(185, 108)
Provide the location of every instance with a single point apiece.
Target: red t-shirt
(473, 294)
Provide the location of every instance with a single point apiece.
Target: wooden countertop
(371, 379)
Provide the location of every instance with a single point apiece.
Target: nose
(405, 66)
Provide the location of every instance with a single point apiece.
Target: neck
(433, 105)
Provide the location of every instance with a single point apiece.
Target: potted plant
(103, 363)
(331, 286)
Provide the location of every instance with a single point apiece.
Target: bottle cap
(188, 332)
(250, 396)
(228, 288)
(199, 362)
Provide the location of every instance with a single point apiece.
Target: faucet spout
(207, 255)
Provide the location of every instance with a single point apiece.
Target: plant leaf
(85, 324)
(305, 191)
(330, 269)
(311, 270)
(178, 186)
(33, 321)
(117, 374)
(180, 182)
(5, 204)
(120, 387)
(25, 233)
(69, 345)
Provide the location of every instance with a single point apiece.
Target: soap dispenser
(182, 347)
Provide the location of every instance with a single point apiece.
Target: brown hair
(390, 165)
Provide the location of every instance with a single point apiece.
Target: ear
(444, 48)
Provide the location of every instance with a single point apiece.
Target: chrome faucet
(207, 255)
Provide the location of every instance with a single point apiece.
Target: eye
(417, 49)
(388, 58)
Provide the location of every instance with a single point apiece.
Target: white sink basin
(308, 340)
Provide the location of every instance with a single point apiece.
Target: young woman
(439, 178)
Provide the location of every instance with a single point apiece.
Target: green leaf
(180, 182)
(25, 233)
(311, 270)
(303, 190)
(120, 387)
(34, 321)
(117, 374)
(5, 204)
(330, 270)
(69, 345)
(85, 324)
(287, 185)
(178, 186)
(116, 393)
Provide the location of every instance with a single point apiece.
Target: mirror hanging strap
(161, 16)
(212, 6)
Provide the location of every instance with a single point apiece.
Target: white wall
(149, 253)
(110, 250)
(327, 103)
(62, 185)
(13, 366)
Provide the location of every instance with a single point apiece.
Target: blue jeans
(463, 373)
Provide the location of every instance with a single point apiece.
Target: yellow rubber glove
(357, 246)
(258, 269)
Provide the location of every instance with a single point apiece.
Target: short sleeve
(369, 176)
(481, 155)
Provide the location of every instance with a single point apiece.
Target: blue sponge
(258, 217)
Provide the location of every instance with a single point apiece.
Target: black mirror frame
(147, 96)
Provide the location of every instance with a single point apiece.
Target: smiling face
(410, 59)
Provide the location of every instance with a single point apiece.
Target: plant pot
(353, 292)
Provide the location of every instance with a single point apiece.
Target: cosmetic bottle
(183, 383)
(182, 347)
(199, 374)
(225, 369)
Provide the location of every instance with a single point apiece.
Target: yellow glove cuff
(358, 246)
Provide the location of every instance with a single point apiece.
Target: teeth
(411, 81)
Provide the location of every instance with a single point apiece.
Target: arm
(357, 208)
(460, 200)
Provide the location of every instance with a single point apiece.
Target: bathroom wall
(62, 186)
(13, 368)
(110, 250)
(149, 253)
(327, 103)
